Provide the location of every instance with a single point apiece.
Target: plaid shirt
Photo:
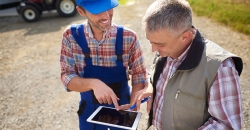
(224, 97)
(102, 54)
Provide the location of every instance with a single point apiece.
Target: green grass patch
(234, 15)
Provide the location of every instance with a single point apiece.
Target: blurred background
(32, 96)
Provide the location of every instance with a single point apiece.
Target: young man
(95, 59)
(195, 81)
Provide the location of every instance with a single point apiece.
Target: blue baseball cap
(97, 6)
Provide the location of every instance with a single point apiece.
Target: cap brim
(101, 6)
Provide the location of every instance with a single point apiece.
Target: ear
(80, 11)
(186, 36)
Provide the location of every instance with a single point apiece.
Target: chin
(106, 28)
(163, 55)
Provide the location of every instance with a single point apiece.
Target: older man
(195, 81)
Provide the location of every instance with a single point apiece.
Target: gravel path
(32, 95)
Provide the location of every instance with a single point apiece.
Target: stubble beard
(97, 26)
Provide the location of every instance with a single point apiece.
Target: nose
(154, 47)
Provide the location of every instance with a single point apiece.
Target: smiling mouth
(104, 21)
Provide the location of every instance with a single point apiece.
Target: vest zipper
(177, 93)
(181, 92)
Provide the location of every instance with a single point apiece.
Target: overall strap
(78, 34)
(119, 46)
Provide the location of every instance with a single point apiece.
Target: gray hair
(173, 15)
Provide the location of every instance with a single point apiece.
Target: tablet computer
(111, 117)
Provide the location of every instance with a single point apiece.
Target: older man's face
(164, 43)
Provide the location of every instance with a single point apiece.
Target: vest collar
(194, 55)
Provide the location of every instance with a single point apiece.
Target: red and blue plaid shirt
(102, 54)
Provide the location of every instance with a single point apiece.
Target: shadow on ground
(52, 21)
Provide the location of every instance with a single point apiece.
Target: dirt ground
(32, 96)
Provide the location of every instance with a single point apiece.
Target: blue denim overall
(114, 77)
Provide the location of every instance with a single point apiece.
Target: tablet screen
(114, 118)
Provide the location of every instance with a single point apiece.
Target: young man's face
(100, 21)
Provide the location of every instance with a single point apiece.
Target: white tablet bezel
(134, 126)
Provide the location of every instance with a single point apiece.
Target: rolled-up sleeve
(68, 69)
(138, 67)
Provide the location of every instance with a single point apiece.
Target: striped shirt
(102, 54)
(224, 97)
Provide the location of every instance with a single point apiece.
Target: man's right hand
(104, 94)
